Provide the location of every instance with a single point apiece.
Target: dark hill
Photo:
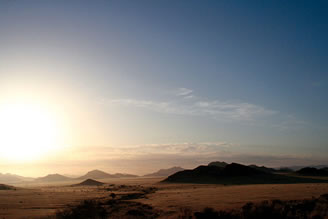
(214, 174)
(232, 174)
(218, 164)
(285, 170)
(311, 171)
(263, 168)
(236, 169)
(52, 178)
(89, 182)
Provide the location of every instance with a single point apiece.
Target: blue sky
(251, 74)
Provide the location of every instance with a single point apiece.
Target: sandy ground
(31, 203)
(42, 200)
(197, 197)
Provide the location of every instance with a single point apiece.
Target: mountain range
(98, 174)
(174, 174)
(52, 178)
(235, 173)
(93, 174)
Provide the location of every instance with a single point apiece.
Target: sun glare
(27, 131)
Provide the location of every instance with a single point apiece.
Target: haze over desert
(163, 109)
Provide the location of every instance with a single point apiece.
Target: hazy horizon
(134, 87)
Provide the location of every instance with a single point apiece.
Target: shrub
(315, 208)
(88, 209)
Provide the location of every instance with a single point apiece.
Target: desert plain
(168, 200)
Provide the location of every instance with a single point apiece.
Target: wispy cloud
(184, 92)
(187, 105)
(290, 122)
(183, 101)
(132, 151)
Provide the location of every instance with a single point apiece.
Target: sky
(134, 86)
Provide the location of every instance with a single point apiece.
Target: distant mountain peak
(13, 178)
(52, 178)
(97, 174)
(96, 171)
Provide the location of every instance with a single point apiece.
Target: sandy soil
(30, 203)
(197, 197)
(40, 201)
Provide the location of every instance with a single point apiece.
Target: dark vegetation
(129, 189)
(315, 208)
(124, 206)
(116, 205)
(236, 174)
(86, 209)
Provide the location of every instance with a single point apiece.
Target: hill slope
(6, 187)
(89, 182)
(165, 172)
(263, 168)
(124, 175)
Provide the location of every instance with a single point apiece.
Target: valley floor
(167, 199)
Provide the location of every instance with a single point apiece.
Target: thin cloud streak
(133, 151)
(182, 101)
(184, 92)
(198, 107)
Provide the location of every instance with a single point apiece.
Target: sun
(27, 131)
